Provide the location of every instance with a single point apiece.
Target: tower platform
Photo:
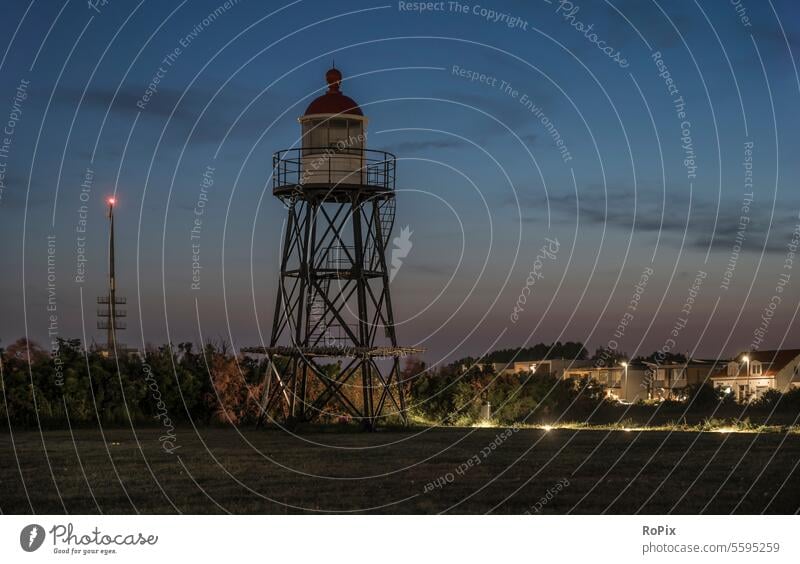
(335, 351)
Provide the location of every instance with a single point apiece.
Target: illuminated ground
(219, 471)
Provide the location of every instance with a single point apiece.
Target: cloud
(698, 224)
(419, 146)
(14, 191)
(183, 113)
(650, 22)
(771, 32)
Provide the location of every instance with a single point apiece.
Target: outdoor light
(112, 201)
(625, 368)
(533, 367)
(547, 428)
(746, 360)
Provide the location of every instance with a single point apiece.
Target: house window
(733, 368)
(755, 368)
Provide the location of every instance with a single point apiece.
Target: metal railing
(331, 165)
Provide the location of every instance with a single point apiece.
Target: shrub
(769, 399)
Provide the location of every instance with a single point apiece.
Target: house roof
(689, 364)
(776, 360)
(710, 367)
(631, 366)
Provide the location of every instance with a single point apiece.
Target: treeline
(213, 385)
(87, 386)
(451, 396)
(569, 350)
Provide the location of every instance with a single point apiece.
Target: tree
(659, 357)
(705, 395)
(233, 400)
(605, 356)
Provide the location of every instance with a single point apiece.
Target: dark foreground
(215, 470)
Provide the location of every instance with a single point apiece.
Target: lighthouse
(333, 305)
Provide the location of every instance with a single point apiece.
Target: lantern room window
(341, 135)
(355, 136)
(315, 135)
(337, 134)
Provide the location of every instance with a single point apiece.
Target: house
(552, 366)
(751, 374)
(627, 382)
(649, 380)
(747, 377)
(669, 381)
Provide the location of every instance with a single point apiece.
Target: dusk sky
(625, 143)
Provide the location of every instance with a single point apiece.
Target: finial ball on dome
(334, 78)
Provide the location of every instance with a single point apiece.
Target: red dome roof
(333, 101)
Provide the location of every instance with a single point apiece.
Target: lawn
(460, 470)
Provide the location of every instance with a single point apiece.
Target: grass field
(424, 471)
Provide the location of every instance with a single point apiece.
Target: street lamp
(746, 360)
(625, 389)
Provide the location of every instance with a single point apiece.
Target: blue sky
(481, 183)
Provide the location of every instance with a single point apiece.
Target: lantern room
(334, 135)
(333, 156)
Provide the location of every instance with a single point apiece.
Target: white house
(751, 374)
